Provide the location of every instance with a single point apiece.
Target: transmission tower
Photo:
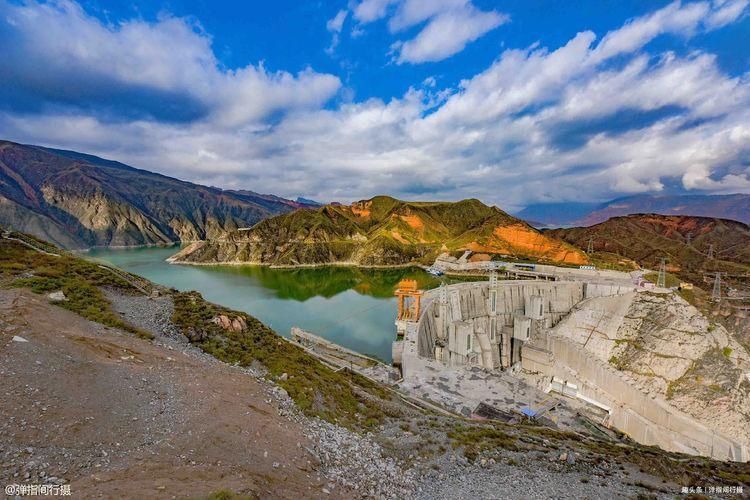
(661, 281)
(689, 238)
(711, 251)
(716, 295)
(590, 248)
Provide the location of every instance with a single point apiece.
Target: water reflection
(353, 307)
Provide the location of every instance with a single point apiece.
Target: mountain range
(730, 206)
(691, 245)
(382, 231)
(78, 201)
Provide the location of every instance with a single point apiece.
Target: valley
(320, 432)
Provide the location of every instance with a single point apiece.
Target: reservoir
(350, 306)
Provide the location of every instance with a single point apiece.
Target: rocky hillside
(77, 201)
(731, 206)
(647, 238)
(382, 231)
(670, 350)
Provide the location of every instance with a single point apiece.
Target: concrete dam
(540, 332)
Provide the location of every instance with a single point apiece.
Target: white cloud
(151, 65)
(335, 25)
(368, 11)
(725, 12)
(450, 26)
(582, 120)
(448, 33)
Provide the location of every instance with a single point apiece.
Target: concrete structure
(519, 270)
(486, 324)
(646, 418)
(508, 324)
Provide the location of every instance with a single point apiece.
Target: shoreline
(300, 266)
(132, 247)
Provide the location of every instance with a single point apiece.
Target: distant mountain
(555, 214)
(382, 231)
(731, 206)
(311, 203)
(647, 238)
(77, 200)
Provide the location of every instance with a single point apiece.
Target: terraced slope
(382, 231)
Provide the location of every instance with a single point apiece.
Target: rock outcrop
(669, 350)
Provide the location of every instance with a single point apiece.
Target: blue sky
(512, 102)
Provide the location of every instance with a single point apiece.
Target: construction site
(565, 346)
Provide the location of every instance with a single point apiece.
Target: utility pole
(590, 248)
(661, 281)
(716, 295)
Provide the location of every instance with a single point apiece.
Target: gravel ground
(511, 475)
(152, 314)
(345, 459)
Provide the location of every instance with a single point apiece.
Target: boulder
(237, 324)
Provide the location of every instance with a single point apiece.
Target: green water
(352, 307)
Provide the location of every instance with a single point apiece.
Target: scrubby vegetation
(78, 279)
(343, 397)
(477, 439)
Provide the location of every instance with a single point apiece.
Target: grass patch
(342, 397)
(727, 351)
(475, 440)
(79, 280)
(670, 280)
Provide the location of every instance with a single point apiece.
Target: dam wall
(647, 419)
(470, 303)
(501, 324)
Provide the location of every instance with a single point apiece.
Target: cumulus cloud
(450, 26)
(56, 54)
(585, 119)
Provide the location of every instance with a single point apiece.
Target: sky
(511, 102)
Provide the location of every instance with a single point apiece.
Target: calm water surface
(352, 307)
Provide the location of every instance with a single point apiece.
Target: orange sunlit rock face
(362, 208)
(397, 236)
(521, 240)
(525, 240)
(414, 221)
